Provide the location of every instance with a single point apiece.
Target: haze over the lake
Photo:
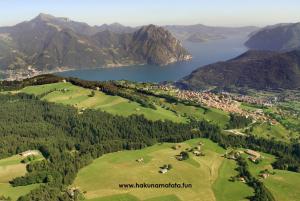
(160, 12)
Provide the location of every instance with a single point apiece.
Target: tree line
(69, 140)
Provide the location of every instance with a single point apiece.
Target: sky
(160, 12)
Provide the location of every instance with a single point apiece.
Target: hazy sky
(161, 12)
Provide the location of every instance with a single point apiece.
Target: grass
(226, 190)
(249, 107)
(120, 197)
(128, 197)
(284, 185)
(100, 180)
(10, 168)
(164, 198)
(68, 94)
(210, 114)
(272, 131)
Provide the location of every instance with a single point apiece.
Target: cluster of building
(21, 74)
(223, 102)
(268, 102)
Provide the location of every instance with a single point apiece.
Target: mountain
(201, 33)
(253, 69)
(280, 37)
(47, 43)
(157, 46)
(117, 28)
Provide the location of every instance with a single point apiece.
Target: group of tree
(69, 140)
(238, 121)
(261, 193)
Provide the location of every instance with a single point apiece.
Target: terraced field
(100, 180)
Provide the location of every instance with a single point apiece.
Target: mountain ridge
(47, 43)
(261, 70)
(279, 37)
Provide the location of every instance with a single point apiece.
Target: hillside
(47, 43)
(202, 33)
(280, 37)
(128, 131)
(253, 69)
(122, 168)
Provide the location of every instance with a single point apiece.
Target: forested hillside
(70, 139)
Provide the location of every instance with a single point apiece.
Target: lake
(203, 54)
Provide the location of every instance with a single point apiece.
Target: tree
(92, 93)
(184, 155)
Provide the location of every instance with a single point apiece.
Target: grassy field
(210, 114)
(225, 190)
(284, 185)
(10, 168)
(100, 180)
(68, 94)
(272, 131)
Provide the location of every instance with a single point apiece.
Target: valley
(168, 122)
(138, 101)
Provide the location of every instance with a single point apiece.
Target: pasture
(10, 168)
(68, 94)
(284, 185)
(100, 180)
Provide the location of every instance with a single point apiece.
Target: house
(200, 143)
(163, 170)
(242, 179)
(264, 175)
(179, 157)
(254, 156)
(139, 160)
(198, 147)
(29, 153)
(197, 153)
(71, 191)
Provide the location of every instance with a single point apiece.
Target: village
(224, 101)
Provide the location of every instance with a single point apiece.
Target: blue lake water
(203, 54)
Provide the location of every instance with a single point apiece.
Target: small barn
(139, 160)
(163, 170)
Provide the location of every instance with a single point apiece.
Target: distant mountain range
(202, 33)
(260, 70)
(47, 43)
(280, 37)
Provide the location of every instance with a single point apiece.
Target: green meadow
(100, 180)
(68, 94)
(272, 131)
(10, 168)
(224, 190)
(210, 114)
(284, 185)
